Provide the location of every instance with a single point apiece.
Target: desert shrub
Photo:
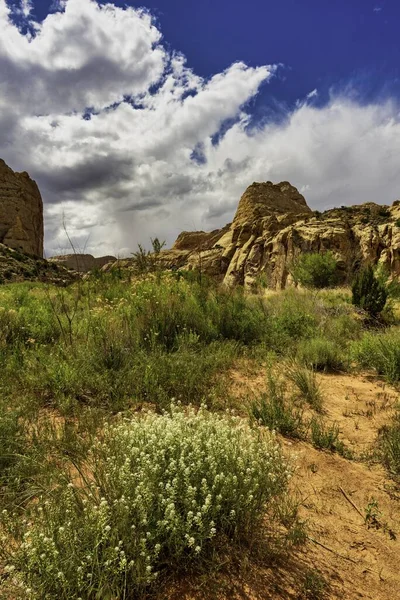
(326, 437)
(341, 328)
(369, 293)
(277, 411)
(314, 585)
(306, 383)
(146, 261)
(315, 270)
(293, 318)
(321, 354)
(381, 352)
(241, 318)
(389, 441)
(163, 491)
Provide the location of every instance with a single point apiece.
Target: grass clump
(157, 492)
(277, 411)
(306, 383)
(389, 442)
(326, 437)
(315, 586)
(321, 354)
(381, 352)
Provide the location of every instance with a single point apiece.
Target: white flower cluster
(164, 487)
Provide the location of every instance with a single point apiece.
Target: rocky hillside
(21, 212)
(273, 225)
(15, 266)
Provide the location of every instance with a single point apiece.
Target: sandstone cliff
(21, 212)
(273, 225)
(82, 263)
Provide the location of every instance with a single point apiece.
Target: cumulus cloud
(126, 142)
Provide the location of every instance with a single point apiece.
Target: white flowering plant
(157, 490)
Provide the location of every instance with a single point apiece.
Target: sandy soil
(356, 558)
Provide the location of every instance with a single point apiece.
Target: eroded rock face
(82, 263)
(273, 225)
(21, 212)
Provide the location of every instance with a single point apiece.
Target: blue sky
(320, 43)
(185, 104)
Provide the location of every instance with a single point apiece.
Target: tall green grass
(381, 352)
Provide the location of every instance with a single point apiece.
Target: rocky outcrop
(82, 263)
(15, 266)
(21, 212)
(273, 225)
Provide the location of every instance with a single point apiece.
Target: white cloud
(149, 167)
(312, 94)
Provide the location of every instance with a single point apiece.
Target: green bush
(294, 317)
(369, 293)
(381, 352)
(321, 354)
(315, 270)
(163, 491)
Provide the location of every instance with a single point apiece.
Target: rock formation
(21, 212)
(82, 263)
(273, 225)
(16, 267)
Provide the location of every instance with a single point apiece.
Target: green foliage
(315, 586)
(369, 293)
(145, 261)
(389, 442)
(12, 441)
(294, 317)
(306, 383)
(326, 437)
(162, 491)
(315, 270)
(381, 352)
(392, 285)
(278, 412)
(322, 354)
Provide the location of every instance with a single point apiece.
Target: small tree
(369, 292)
(314, 270)
(146, 260)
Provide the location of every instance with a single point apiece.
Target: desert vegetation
(127, 458)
